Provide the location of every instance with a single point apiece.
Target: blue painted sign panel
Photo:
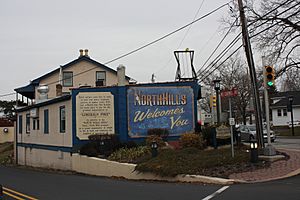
(171, 108)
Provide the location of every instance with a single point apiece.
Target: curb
(291, 174)
(207, 179)
(288, 175)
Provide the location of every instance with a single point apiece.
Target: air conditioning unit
(34, 112)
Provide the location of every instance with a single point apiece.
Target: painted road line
(9, 191)
(219, 191)
(13, 196)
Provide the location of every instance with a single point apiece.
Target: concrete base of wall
(102, 167)
(44, 158)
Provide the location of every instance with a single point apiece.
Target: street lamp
(290, 109)
(217, 88)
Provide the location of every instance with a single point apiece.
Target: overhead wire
(186, 33)
(242, 45)
(153, 42)
(146, 45)
(212, 64)
(219, 44)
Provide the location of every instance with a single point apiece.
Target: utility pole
(248, 51)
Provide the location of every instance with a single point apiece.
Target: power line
(249, 25)
(186, 33)
(146, 45)
(153, 42)
(207, 75)
(171, 33)
(222, 40)
(221, 55)
(256, 33)
(242, 45)
(167, 35)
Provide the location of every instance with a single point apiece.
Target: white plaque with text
(94, 114)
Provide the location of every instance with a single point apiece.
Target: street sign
(229, 93)
(231, 121)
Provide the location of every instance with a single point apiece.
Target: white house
(44, 127)
(281, 115)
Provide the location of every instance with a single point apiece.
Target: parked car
(295, 122)
(248, 132)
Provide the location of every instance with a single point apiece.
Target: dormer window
(100, 79)
(67, 79)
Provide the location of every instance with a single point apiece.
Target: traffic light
(270, 75)
(213, 101)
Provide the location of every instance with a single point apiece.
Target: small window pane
(100, 75)
(100, 79)
(67, 79)
(34, 124)
(279, 112)
(62, 119)
(27, 123)
(46, 121)
(284, 112)
(37, 124)
(20, 124)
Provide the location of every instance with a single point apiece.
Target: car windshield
(252, 128)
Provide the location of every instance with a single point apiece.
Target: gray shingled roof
(283, 96)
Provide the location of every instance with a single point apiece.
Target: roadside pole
(269, 150)
(250, 60)
(231, 123)
(230, 93)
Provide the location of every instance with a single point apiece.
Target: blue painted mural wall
(161, 103)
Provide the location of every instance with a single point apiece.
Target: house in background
(6, 130)
(82, 71)
(281, 116)
(44, 127)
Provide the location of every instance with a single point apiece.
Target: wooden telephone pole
(249, 55)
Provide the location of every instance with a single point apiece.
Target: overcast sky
(38, 36)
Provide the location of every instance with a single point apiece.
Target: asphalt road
(45, 185)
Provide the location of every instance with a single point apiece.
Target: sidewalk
(277, 170)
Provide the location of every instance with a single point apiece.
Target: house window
(28, 123)
(279, 113)
(67, 79)
(20, 124)
(46, 121)
(100, 78)
(62, 119)
(36, 124)
(284, 112)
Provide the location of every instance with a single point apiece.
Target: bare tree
(275, 30)
(233, 74)
(292, 80)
